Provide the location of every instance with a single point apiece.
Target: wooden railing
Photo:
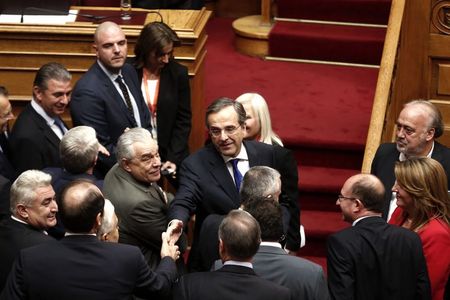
(384, 83)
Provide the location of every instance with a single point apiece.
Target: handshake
(169, 239)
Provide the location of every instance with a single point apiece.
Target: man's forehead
(148, 147)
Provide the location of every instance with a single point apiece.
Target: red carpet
(321, 113)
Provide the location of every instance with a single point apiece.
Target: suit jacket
(305, 279)
(5, 186)
(96, 102)
(206, 187)
(15, 236)
(229, 282)
(6, 168)
(384, 162)
(33, 143)
(375, 260)
(82, 267)
(173, 116)
(142, 212)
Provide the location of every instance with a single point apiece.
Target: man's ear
(430, 134)
(221, 249)
(358, 205)
(22, 211)
(37, 93)
(125, 165)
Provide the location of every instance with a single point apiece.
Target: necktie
(237, 174)
(124, 90)
(60, 125)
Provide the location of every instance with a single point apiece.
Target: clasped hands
(169, 239)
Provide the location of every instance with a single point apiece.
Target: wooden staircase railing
(384, 83)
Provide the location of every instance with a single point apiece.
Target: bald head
(81, 207)
(110, 45)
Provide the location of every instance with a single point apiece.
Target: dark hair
(50, 71)
(370, 192)
(240, 234)
(268, 214)
(153, 38)
(79, 215)
(3, 91)
(223, 102)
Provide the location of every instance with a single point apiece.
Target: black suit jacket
(375, 260)
(96, 102)
(5, 186)
(173, 116)
(33, 143)
(206, 187)
(229, 282)
(6, 168)
(15, 236)
(82, 267)
(384, 161)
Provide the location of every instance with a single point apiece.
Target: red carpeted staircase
(321, 112)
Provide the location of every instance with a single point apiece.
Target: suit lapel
(50, 136)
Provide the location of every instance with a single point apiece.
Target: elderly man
(259, 182)
(132, 187)
(239, 236)
(418, 125)
(33, 210)
(372, 259)
(82, 267)
(6, 114)
(210, 178)
(108, 97)
(38, 130)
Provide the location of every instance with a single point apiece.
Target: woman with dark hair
(165, 86)
(424, 207)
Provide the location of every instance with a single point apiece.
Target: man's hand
(103, 150)
(170, 167)
(167, 249)
(174, 231)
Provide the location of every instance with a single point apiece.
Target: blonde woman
(424, 207)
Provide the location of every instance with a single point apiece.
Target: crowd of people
(83, 213)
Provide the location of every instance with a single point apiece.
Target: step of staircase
(356, 11)
(325, 42)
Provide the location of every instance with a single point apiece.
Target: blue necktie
(60, 125)
(236, 173)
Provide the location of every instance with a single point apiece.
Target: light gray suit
(141, 209)
(305, 279)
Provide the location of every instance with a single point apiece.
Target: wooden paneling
(24, 48)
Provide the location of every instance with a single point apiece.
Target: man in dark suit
(108, 97)
(140, 203)
(38, 130)
(6, 114)
(372, 259)
(418, 125)
(82, 267)
(239, 236)
(33, 210)
(210, 178)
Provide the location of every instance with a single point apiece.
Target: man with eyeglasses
(373, 259)
(418, 126)
(210, 179)
(6, 114)
(140, 204)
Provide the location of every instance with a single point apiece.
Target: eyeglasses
(343, 197)
(229, 130)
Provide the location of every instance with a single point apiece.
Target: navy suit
(375, 260)
(15, 236)
(206, 187)
(384, 161)
(82, 267)
(33, 143)
(229, 282)
(96, 102)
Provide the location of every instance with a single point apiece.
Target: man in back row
(80, 266)
(418, 126)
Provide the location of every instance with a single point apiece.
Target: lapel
(218, 170)
(42, 125)
(252, 153)
(113, 94)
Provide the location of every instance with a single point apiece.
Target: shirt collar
(362, 218)
(40, 111)
(111, 75)
(238, 263)
(241, 156)
(72, 234)
(271, 244)
(402, 156)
